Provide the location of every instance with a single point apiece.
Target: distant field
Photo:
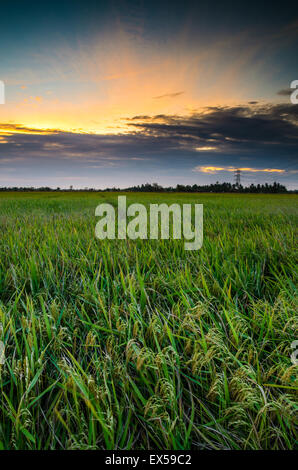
(140, 344)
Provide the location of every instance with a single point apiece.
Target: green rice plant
(122, 344)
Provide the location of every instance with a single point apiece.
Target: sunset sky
(118, 93)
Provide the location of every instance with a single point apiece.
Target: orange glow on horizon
(215, 169)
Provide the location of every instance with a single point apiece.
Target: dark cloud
(147, 117)
(255, 136)
(285, 92)
(240, 128)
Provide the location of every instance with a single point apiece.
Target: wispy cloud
(205, 148)
(169, 95)
(11, 128)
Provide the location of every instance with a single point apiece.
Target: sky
(120, 93)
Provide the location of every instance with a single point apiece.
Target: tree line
(180, 188)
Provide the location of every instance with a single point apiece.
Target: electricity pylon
(237, 176)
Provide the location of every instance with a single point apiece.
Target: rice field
(122, 344)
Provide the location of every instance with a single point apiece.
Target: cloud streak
(169, 95)
(216, 169)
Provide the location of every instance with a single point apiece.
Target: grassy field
(141, 344)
